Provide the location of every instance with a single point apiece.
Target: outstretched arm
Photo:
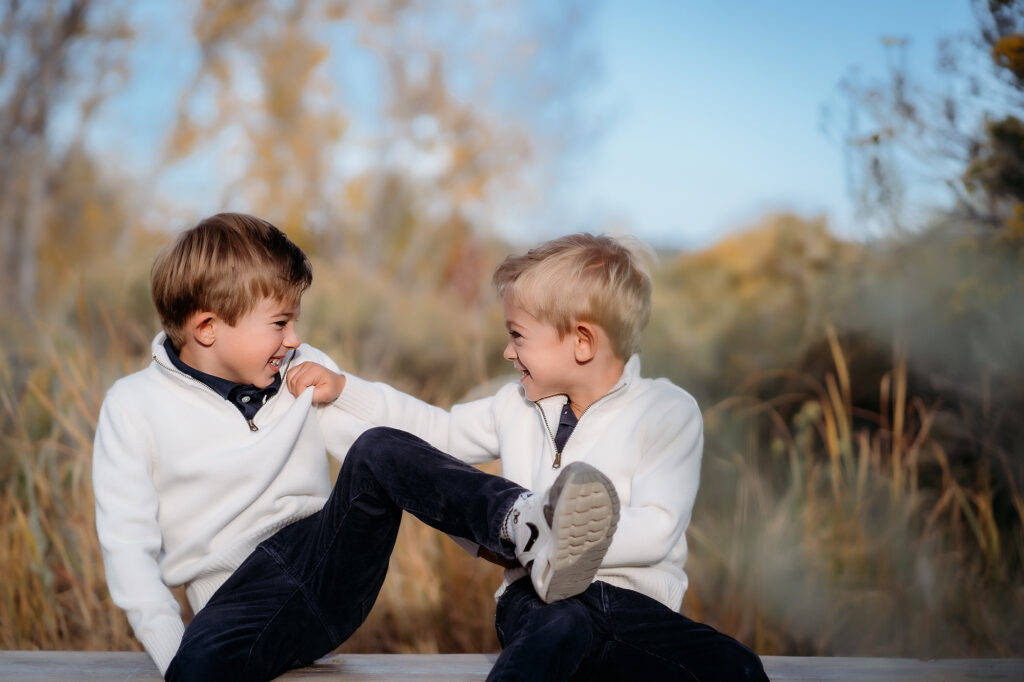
(467, 432)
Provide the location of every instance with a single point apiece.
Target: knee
(376, 455)
(377, 441)
(369, 447)
(374, 438)
(559, 622)
(383, 446)
(197, 660)
(748, 667)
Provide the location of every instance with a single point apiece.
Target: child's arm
(663, 487)
(467, 432)
(126, 522)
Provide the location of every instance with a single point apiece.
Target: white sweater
(185, 490)
(646, 435)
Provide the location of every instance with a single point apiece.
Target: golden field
(860, 490)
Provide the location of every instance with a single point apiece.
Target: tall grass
(820, 527)
(53, 591)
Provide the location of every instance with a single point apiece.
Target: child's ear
(202, 326)
(585, 347)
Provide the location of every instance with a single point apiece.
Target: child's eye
(515, 335)
(282, 323)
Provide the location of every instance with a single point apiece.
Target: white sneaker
(564, 541)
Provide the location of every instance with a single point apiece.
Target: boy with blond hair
(207, 475)
(574, 308)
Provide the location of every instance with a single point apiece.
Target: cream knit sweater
(646, 435)
(185, 491)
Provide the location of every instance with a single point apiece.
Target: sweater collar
(248, 399)
(552, 405)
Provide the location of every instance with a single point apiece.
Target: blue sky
(710, 112)
(717, 108)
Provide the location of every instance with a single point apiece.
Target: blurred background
(835, 192)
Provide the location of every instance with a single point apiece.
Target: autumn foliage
(861, 491)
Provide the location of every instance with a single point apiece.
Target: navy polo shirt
(566, 423)
(246, 397)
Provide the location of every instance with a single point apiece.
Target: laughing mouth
(275, 363)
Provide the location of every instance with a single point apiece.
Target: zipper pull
(558, 461)
(252, 425)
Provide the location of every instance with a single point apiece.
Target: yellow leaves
(217, 19)
(1008, 52)
(183, 138)
(287, 70)
(337, 10)
(356, 194)
(335, 126)
(220, 68)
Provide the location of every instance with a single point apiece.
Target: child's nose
(292, 340)
(509, 353)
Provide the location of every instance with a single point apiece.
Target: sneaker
(563, 542)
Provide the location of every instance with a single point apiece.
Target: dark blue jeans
(610, 633)
(306, 589)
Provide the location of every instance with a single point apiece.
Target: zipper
(558, 453)
(554, 446)
(197, 382)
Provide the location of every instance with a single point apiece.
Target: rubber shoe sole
(582, 513)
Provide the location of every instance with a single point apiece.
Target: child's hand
(328, 385)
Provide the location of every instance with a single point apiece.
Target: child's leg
(327, 569)
(610, 634)
(648, 641)
(540, 641)
(237, 635)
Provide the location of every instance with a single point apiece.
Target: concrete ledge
(36, 666)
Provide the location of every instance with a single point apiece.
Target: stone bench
(37, 666)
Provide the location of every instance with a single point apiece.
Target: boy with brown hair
(207, 475)
(574, 308)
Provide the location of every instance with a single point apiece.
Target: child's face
(250, 352)
(536, 350)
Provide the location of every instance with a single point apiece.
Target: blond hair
(226, 265)
(582, 278)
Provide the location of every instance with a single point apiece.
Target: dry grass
(814, 535)
(819, 529)
(54, 593)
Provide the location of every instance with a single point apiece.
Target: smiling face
(251, 350)
(535, 348)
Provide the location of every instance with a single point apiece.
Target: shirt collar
(246, 397)
(221, 386)
(567, 418)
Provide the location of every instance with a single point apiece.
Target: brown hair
(582, 278)
(226, 264)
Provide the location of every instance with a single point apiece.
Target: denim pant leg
(233, 637)
(609, 634)
(305, 590)
(343, 564)
(540, 642)
(647, 640)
